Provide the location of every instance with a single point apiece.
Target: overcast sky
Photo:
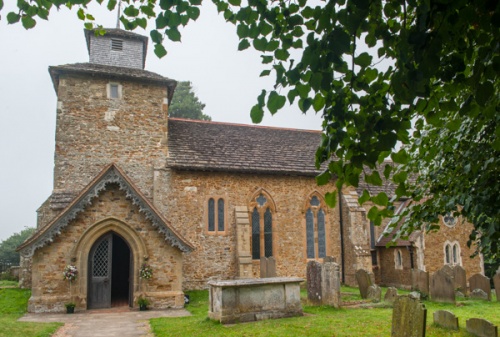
(226, 80)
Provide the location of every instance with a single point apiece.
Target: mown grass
(7, 283)
(13, 304)
(325, 321)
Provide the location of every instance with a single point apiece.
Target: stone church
(192, 200)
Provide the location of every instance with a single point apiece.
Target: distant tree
(8, 246)
(185, 103)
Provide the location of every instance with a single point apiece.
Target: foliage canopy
(186, 104)
(8, 246)
(438, 96)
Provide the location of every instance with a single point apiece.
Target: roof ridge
(242, 125)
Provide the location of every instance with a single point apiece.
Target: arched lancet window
(452, 253)
(262, 227)
(315, 229)
(398, 259)
(215, 216)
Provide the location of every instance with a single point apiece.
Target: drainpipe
(341, 220)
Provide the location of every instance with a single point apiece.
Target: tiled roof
(111, 72)
(388, 234)
(388, 185)
(212, 146)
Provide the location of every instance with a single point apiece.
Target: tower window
(114, 90)
(116, 45)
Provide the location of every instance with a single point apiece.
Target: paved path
(104, 323)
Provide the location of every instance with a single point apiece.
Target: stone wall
(183, 195)
(389, 275)
(434, 248)
(93, 131)
(110, 211)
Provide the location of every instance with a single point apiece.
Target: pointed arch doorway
(110, 278)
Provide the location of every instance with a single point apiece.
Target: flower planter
(70, 310)
(143, 307)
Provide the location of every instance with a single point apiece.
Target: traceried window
(398, 259)
(262, 227)
(452, 253)
(449, 220)
(315, 229)
(216, 215)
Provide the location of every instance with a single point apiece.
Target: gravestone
(365, 280)
(496, 283)
(323, 283)
(374, 293)
(460, 279)
(267, 267)
(420, 281)
(447, 269)
(408, 317)
(391, 295)
(314, 295)
(481, 327)
(479, 294)
(442, 286)
(479, 281)
(446, 319)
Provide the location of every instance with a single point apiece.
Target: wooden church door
(100, 262)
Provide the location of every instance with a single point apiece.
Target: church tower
(109, 110)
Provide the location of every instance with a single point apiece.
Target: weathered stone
(329, 259)
(271, 267)
(460, 279)
(408, 317)
(479, 281)
(415, 295)
(263, 267)
(330, 285)
(446, 319)
(374, 293)
(314, 281)
(479, 294)
(459, 294)
(254, 299)
(496, 283)
(481, 327)
(391, 295)
(365, 280)
(420, 281)
(441, 286)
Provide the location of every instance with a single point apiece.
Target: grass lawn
(5, 283)
(321, 321)
(13, 304)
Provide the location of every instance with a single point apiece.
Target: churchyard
(357, 317)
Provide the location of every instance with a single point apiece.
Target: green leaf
(387, 171)
(1, 4)
(400, 157)
(484, 92)
(305, 104)
(265, 73)
(374, 179)
(275, 102)
(13, 17)
(272, 45)
(373, 213)
(148, 11)
(28, 22)
(81, 14)
(242, 31)
(281, 54)
(156, 36)
(111, 4)
(173, 34)
(380, 199)
(256, 114)
(260, 44)
(266, 59)
(193, 13)
(363, 60)
(131, 11)
(324, 178)
(160, 50)
(244, 44)
(319, 102)
(364, 197)
(235, 2)
(331, 198)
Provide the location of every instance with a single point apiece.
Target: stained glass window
(255, 234)
(268, 233)
(310, 234)
(220, 215)
(211, 215)
(321, 234)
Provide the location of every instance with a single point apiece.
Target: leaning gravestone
(496, 283)
(314, 295)
(420, 281)
(391, 295)
(481, 327)
(441, 286)
(374, 293)
(460, 279)
(479, 281)
(408, 317)
(365, 280)
(446, 319)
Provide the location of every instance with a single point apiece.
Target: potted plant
(143, 303)
(70, 307)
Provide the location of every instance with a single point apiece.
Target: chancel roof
(213, 146)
